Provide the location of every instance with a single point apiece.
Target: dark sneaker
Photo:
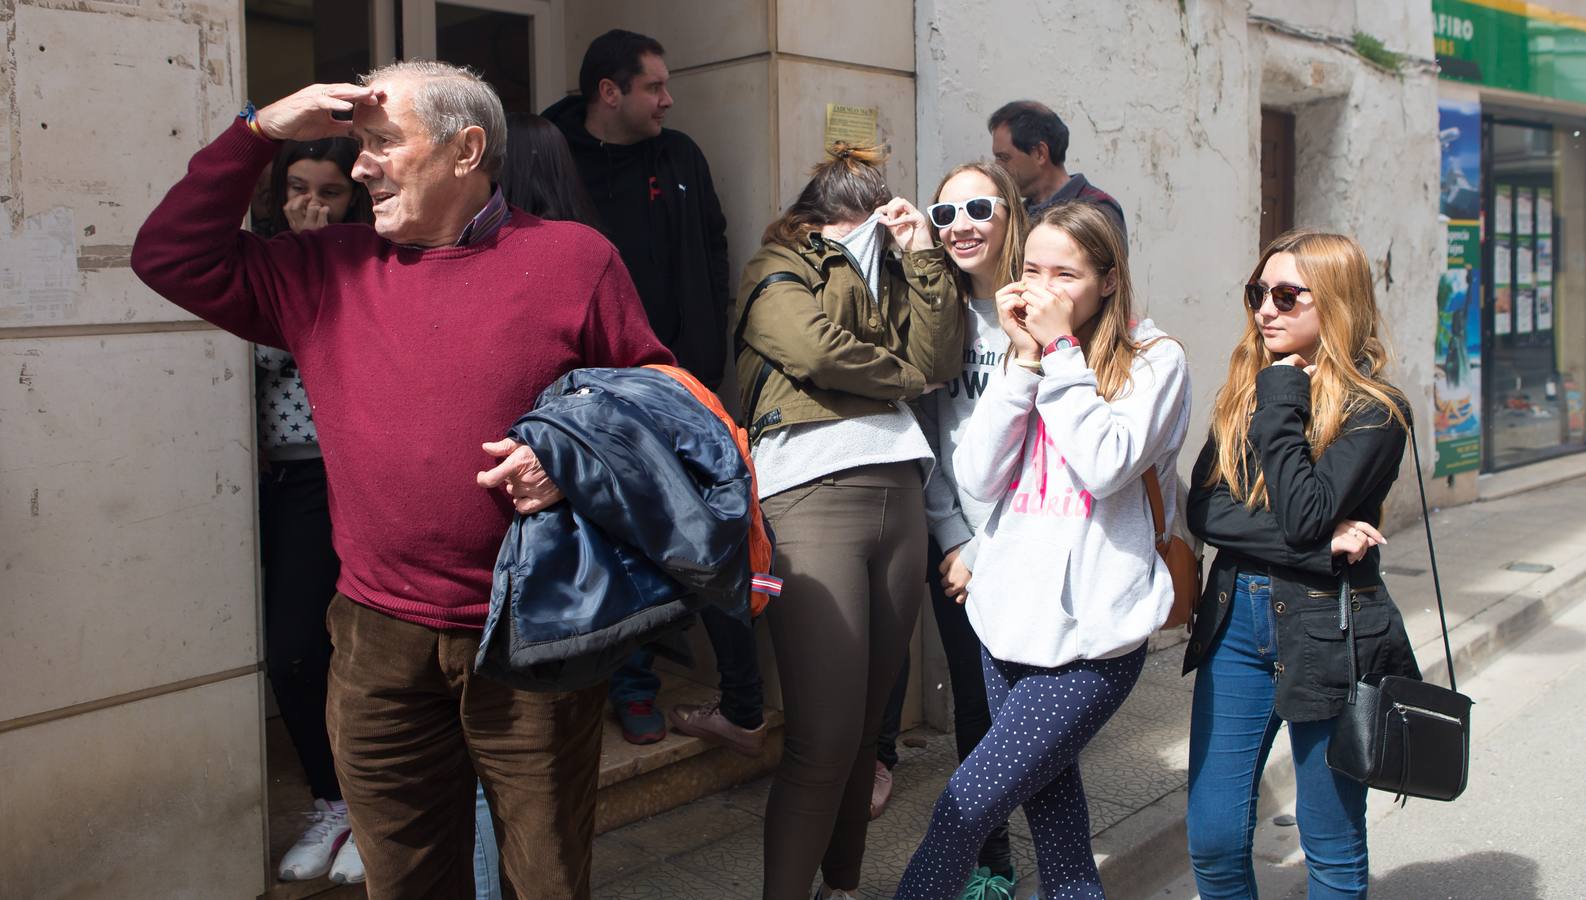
(641, 724)
(708, 723)
(881, 791)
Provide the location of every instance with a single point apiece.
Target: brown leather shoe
(881, 791)
(708, 723)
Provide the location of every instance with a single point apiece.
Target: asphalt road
(1519, 830)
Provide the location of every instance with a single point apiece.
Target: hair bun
(852, 154)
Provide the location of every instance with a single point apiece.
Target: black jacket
(656, 524)
(658, 205)
(1291, 541)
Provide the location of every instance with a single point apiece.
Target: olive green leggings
(851, 548)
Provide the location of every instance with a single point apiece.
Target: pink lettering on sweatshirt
(1070, 504)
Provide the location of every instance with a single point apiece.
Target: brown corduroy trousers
(411, 727)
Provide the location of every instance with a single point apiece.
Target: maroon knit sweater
(412, 358)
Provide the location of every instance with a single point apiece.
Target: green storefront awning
(1516, 46)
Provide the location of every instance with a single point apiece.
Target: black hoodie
(657, 204)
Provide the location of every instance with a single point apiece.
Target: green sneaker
(984, 885)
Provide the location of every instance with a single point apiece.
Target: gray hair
(447, 99)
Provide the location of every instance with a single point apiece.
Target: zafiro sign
(1512, 45)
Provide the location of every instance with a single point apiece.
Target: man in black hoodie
(652, 189)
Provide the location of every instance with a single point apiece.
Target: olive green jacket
(819, 347)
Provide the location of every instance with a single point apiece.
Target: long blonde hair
(1010, 256)
(1111, 351)
(1349, 362)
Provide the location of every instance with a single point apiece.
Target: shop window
(1277, 174)
(1534, 357)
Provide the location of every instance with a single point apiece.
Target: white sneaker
(348, 868)
(311, 856)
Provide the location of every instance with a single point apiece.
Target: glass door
(1535, 350)
(514, 44)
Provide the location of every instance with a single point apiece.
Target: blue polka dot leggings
(1042, 718)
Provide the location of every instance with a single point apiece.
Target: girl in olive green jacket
(836, 331)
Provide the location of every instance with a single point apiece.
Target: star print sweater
(286, 418)
(413, 356)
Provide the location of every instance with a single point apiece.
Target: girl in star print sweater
(310, 186)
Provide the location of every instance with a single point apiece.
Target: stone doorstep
(1147, 848)
(638, 781)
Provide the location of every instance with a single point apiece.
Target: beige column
(130, 748)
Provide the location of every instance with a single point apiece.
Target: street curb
(1147, 849)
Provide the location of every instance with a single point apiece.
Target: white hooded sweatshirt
(1067, 567)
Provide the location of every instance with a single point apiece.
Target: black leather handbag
(1401, 734)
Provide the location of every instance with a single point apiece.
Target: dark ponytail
(846, 185)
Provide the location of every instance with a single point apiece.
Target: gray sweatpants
(851, 548)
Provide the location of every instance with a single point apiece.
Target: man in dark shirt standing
(1031, 142)
(652, 189)
(653, 193)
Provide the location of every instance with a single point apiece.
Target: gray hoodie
(1067, 567)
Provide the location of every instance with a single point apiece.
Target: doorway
(288, 44)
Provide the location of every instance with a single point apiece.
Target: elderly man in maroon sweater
(419, 340)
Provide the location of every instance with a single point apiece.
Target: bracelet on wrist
(1034, 365)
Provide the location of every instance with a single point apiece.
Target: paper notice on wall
(1544, 307)
(1544, 211)
(1522, 211)
(39, 280)
(853, 125)
(1544, 259)
(1502, 210)
(1524, 270)
(1524, 301)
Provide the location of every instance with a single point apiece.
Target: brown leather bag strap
(1153, 492)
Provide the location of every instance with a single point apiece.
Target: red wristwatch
(1061, 342)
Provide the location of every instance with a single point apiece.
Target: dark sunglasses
(978, 209)
(1284, 296)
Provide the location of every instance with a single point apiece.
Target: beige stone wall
(130, 717)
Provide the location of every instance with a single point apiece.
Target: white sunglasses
(978, 209)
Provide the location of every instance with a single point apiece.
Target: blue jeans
(487, 858)
(1232, 725)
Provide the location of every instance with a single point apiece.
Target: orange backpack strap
(763, 585)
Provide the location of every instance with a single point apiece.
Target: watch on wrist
(1061, 342)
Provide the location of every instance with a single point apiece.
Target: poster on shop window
(1457, 372)
(1524, 287)
(1502, 289)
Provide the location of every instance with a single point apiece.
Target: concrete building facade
(131, 760)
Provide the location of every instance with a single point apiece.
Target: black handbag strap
(1431, 553)
(1346, 613)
